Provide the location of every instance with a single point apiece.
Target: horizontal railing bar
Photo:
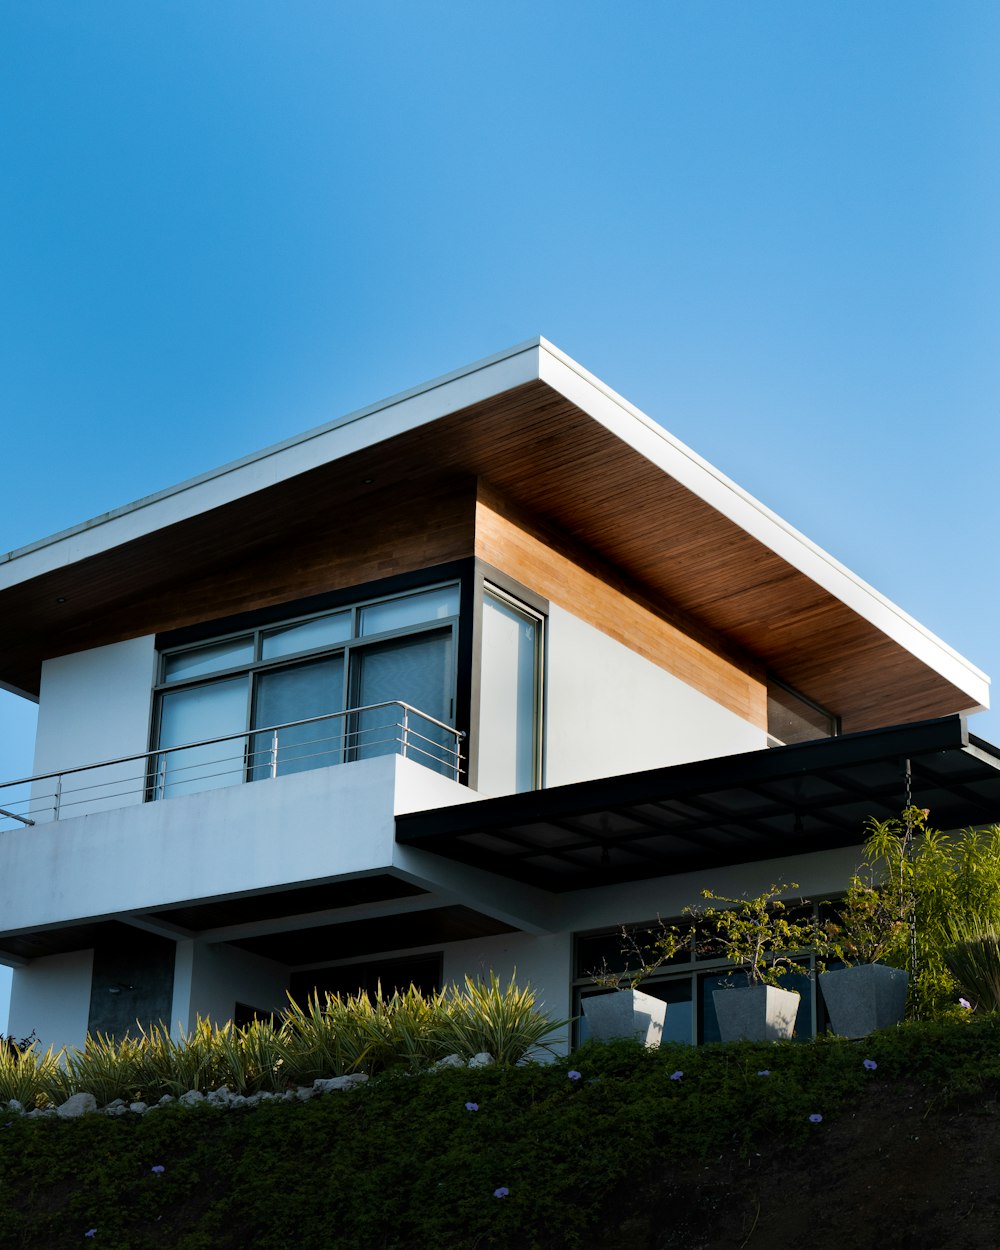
(243, 734)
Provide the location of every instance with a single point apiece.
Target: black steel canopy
(757, 805)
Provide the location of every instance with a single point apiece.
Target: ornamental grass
(329, 1037)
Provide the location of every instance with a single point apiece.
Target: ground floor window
(686, 984)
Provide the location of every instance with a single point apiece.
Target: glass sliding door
(297, 693)
(416, 670)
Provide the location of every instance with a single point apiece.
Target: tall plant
(913, 884)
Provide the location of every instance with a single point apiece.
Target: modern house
(460, 682)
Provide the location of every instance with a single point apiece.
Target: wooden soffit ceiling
(556, 463)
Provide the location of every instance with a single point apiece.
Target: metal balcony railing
(253, 755)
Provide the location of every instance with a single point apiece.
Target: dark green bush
(402, 1163)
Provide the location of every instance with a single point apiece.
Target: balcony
(393, 728)
(133, 838)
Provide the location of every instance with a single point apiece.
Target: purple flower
(870, 1065)
(965, 1004)
(815, 1118)
(502, 1192)
(159, 1169)
(676, 1076)
(472, 1106)
(764, 1072)
(574, 1075)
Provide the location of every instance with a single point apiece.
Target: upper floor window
(340, 666)
(792, 717)
(510, 702)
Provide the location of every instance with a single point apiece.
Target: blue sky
(773, 226)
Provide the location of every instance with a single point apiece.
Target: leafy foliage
(759, 935)
(913, 886)
(26, 1073)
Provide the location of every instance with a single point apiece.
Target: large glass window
(417, 671)
(399, 649)
(315, 688)
(193, 715)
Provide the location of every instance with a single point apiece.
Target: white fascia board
(366, 427)
(668, 453)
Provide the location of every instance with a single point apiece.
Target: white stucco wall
(5, 978)
(52, 997)
(210, 979)
(610, 711)
(94, 705)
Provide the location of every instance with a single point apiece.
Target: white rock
(191, 1098)
(114, 1104)
(220, 1097)
(138, 1108)
(449, 1061)
(305, 1092)
(165, 1099)
(330, 1084)
(483, 1060)
(14, 1105)
(79, 1104)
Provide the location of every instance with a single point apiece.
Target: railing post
(406, 729)
(274, 754)
(161, 783)
(57, 798)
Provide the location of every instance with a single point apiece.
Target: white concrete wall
(210, 979)
(544, 962)
(94, 705)
(610, 711)
(5, 979)
(818, 875)
(52, 997)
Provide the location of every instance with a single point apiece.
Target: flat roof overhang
(790, 800)
(567, 451)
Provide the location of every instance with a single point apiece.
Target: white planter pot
(758, 1013)
(625, 1013)
(862, 999)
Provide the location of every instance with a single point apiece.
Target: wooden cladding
(547, 564)
(331, 548)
